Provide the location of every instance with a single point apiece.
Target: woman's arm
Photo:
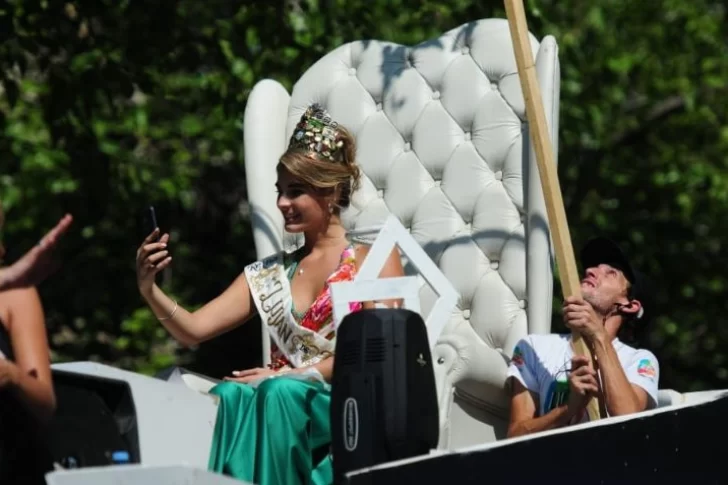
(231, 309)
(37, 263)
(31, 379)
(392, 269)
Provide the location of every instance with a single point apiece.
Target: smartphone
(151, 220)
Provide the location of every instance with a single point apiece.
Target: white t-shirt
(542, 363)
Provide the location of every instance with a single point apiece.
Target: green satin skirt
(276, 434)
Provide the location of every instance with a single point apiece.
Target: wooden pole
(570, 282)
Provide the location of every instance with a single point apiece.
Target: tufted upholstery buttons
(498, 175)
(379, 106)
(522, 304)
(352, 72)
(494, 86)
(466, 314)
(467, 136)
(494, 265)
(465, 50)
(436, 95)
(407, 146)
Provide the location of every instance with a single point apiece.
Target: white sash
(271, 292)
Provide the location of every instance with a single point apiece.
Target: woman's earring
(331, 208)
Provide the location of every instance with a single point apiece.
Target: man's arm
(523, 418)
(620, 396)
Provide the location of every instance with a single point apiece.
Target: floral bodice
(319, 315)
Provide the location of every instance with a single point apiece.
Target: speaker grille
(350, 352)
(375, 350)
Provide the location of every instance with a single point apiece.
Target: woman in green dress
(273, 423)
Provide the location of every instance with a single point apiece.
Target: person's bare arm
(32, 383)
(37, 263)
(231, 309)
(325, 367)
(621, 397)
(582, 385)
(392, 269)
(523, 418)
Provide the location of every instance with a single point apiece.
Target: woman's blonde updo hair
(322, 154)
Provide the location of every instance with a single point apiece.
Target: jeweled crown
(317, 132)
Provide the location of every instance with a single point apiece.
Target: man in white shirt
(550, 386)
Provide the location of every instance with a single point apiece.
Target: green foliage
(109, 106)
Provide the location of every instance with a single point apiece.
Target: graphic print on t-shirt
(517, 358)
(557, 394)
(646, 369)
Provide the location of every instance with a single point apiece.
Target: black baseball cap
(602, 250)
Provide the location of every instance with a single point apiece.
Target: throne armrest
(461, 359)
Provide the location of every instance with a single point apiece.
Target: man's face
(604, 286)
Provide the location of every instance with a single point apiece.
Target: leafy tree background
(108, 106)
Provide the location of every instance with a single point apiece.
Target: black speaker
(383, 396)
(24, 456)
(95, 422)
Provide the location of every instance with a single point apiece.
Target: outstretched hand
(37, 264)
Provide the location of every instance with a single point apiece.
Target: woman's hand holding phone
(152, 257)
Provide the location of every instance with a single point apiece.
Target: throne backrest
(442, 141)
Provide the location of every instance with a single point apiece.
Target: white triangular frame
(367, 286)
(345, 292)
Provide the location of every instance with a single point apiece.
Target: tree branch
(659, 112)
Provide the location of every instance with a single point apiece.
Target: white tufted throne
(442, 140)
